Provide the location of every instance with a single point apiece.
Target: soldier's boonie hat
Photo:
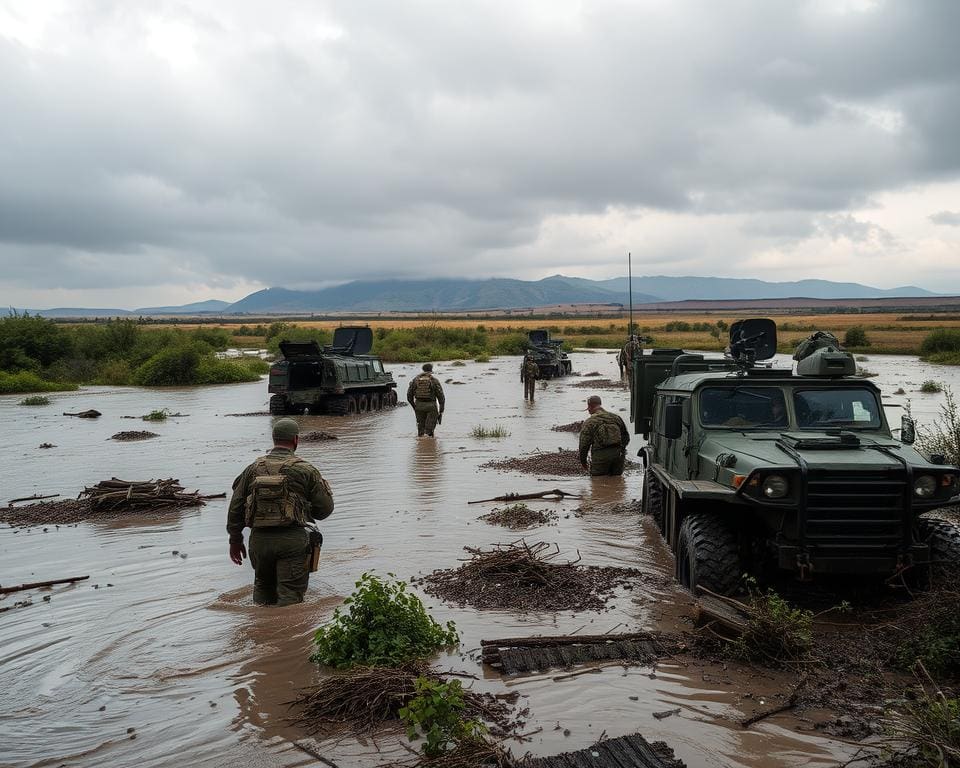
(428, 367)
(593, 400)
(285, 430)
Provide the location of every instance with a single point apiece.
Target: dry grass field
(888, 333)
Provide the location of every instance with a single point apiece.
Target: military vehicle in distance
(548, 354)
(752, 469)
(339, 379)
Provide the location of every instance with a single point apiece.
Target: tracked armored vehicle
(340, 379)
(548, 354)
(754, 469)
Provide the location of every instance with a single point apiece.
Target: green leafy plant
(931, 387)
(776, 632)
(160, 415)
(930, 730)
(856, 337)
(436, 713)
(35, 400)
(382, 625)
(482, 431)
(943, 435)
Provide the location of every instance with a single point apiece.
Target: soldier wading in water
(604, 436)
(426, 396)
(529, 373)
(276, 497)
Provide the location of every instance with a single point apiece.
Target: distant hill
(427, 295)
(502, 293)
(213, 305)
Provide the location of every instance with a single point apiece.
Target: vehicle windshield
(826, 408)
(743, 407)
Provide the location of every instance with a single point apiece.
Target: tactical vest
(271, 502)
(607, 433)
(423, 389)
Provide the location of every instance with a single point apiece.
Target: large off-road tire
(944, 540)
(708, 554)
(652, 501)
(278, 405)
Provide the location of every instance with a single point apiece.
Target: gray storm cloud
(146, 143)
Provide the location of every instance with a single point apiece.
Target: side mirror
(673, 421)
(908, 430)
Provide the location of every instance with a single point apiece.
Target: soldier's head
(428, 367)
(593, 403)
(286, 433)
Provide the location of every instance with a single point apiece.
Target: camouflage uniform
(604, 436)
(630, 352)
(279, 554)
(424, 393)
(529, 373)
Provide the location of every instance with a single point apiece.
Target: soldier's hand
(237, 552)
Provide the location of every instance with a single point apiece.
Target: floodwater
(161, 658)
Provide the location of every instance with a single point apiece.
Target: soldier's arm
(237, 508)
(624, 433)
(586, 440)
(410, 387)
(523, 371)
(438, 391)
(536, 370)
(321, 497)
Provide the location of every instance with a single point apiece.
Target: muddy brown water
(162, 659)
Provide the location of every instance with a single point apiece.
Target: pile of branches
(108, 499)
(477, 753)
(573, 426)
(560, 462)
(525, 577)
(134, 435)
(518, 516)
(600, 384)
(366, 699)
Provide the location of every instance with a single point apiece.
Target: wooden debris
(316, 437)
(90, 414)
(35, 497)
(555, 495)
(536, 654)
(37, 584)
(522, 576)
(133, 495)
(133, 435)
(46, 445)
(624, 752)
(723, 615)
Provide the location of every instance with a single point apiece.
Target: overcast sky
(165, 152)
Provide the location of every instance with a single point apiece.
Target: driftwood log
(35, 497)
(142, 494)
(555, 495)
(91, 414)
(723, 615)
(38, 584)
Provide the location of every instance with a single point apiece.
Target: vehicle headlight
(925, 486)
(775, 487)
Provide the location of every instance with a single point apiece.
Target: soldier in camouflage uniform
(426, 396)
(529, 373)
(604, 436)
(630, 352)
(279, 543)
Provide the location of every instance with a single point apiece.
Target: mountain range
(502, 293)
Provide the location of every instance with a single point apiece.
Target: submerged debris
(521, 576)
(316, 437)
(91, 414)
(367, 698)
(601, 384)
(560, 462)
(518, 516)
(573, 426)
(134, 435)
(633, 750)
(251, 413)
(109, 499)
(46, 445)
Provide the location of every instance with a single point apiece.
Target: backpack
(607, 434)
(271, 503)
(423, 389)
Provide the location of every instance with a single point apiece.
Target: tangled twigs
(136, 495)
(524, 576)
(518, 516)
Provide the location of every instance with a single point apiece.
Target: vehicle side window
(743, 407)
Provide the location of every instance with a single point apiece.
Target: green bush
(776, 633)
(25, 381)
(482, 431)
(436, 713)
(213, 371)
(384, 625)
(931, 387)
(943, 341)
(115, 373)
(172, 367)
(35, 400)
(856, 337)
(29, 343)
(286, 332)
(160, 415)
(943, 435)
(930, 730)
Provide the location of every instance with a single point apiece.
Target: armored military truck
(341, 378)
(753, 469)
(548, 354)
